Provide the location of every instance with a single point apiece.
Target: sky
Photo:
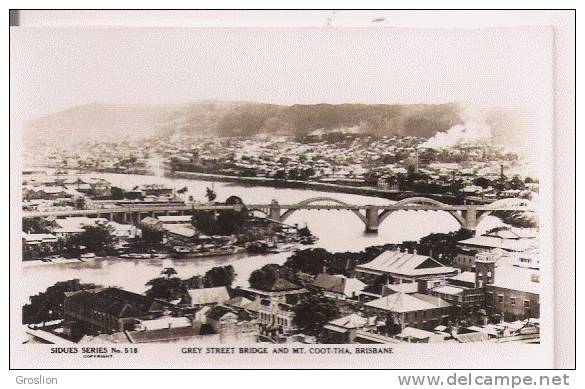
(56, 68)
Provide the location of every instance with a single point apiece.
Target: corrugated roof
(118, 302)
(205, 296)
(411, 332)
(506, 244)
(517, 278)
(400, 302)
(398, 262)
(350, 321)
(466, 276)
(446, 289)
(338, 283)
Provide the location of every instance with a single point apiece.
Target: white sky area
(57, 68)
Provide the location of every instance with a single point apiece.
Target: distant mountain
(108, 120)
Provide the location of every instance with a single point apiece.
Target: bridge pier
(470, 216)
(274, 212)
(372, 220)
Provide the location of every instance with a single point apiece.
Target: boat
(187, 252)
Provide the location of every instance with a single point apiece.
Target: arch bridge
(467, 215)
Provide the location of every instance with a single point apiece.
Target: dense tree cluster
(223, 222)
(48, 305)
(170, 287)
(313, 312)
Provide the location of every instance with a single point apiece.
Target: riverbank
(55, 261)
(393, 195)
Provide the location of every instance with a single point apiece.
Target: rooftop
(117, 302)
(402, 302)
(350, 321)
(398, 262)
(205, 296)
(495, 242)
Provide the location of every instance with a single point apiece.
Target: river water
(336, 230)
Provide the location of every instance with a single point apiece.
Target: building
(232, 325)
(155, 190)
(107, 310)
(515, 293)
(416, 335)
(345, 329)
(418, 310)
(512, 291)
(205, 296)
(38, 245)
(273, 305)
(402, 267)
(338, 286)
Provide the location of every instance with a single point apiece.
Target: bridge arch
(422, 201)
(318, 200)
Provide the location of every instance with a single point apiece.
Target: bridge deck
(205, 207)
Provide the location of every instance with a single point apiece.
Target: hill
(110, 120)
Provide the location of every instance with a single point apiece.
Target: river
(336, 230)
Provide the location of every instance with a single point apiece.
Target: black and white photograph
(331, 191)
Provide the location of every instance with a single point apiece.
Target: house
(461, 291)
(420, 311)
(416, 335)
(273, 305)
(232, 325)
(484, 243)
(338, 285)
(514, 292)
(187, 335)
(507, 243)
(178, 233)
(107, 310)
(280, 289)
(510, 290)
(38, 245)
(344, 330)
(205, 296)
(402, 267)
(70, 226)
(155, 190)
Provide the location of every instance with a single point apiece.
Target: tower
(485, 266)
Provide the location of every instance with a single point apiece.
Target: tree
(280, 175)
(219, 276)
(80, 202)
(482, 181)
(516, 183)
(313, 312)
(36, 225)
(195, 282)
(118, 193)
(232, 221)
(224, 222)
(264, 277)
(210, 194)
(312, 261)
(98, 238)
(48, 305)
(166, 288)
(168, 272)
(205, 222)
